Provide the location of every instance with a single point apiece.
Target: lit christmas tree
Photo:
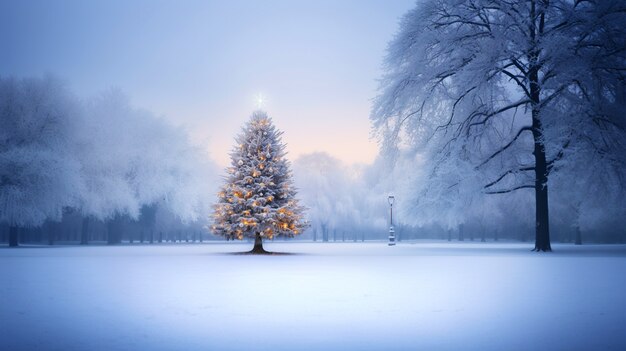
(258, 199)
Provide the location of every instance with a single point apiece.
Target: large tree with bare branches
(507, 91)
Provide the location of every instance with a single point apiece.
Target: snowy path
(361, 296)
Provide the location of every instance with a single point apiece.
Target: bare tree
(508, 89)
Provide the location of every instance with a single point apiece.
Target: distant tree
(340, 196)
(323, 187)
(510, 88)
(591, 193)
(258, 199)
(38, 173)
(147, 220)
(132, 160)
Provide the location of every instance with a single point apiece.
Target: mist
(92, 169)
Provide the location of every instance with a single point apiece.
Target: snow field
(348, 296)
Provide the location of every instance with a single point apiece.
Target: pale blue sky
(201, 63)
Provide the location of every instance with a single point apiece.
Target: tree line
(98, 159)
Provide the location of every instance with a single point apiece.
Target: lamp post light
(392, 233)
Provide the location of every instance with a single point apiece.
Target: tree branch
(559, 155)
(510, 190)
(510, 171)
(517, 81)
(458, 100)
(497, 112)
(502, 149)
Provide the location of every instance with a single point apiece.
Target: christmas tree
(258, 198)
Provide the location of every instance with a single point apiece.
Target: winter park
(326, 175)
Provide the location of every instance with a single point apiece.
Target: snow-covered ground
(348, 296)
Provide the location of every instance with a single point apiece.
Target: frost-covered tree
(258, 199)
(511, 90)
(100, 157)
(591, 193)
(38, 173)
(131, 159)
(335, 200)
(105, 146)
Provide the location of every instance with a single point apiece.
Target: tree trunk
(542, 225)
(258, 245)
(542, 234)
(542, 230)
(579, 239)
(52, 230)
(84, 233)
(13, 236)
(461, 238)
(114, 234)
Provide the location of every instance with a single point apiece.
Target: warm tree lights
(258, 198)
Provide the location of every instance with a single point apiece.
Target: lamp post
(392, 233)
